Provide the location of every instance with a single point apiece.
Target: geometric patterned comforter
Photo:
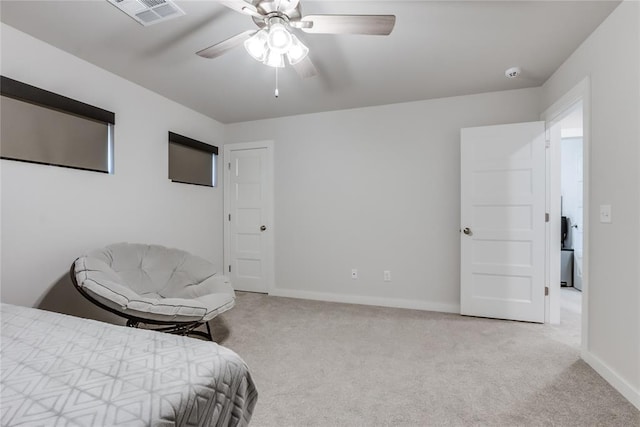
(63, 370)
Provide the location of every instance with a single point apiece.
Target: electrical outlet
(354, 273)
(387, 275)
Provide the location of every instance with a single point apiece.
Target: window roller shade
(34, 95)
(190, 166)
(39, 126)
(191, 161)
(41, 135)
(189, 142)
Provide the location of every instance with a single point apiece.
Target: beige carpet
(328, 364)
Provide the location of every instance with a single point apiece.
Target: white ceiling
(437, 49)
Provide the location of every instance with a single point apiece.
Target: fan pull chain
(277, 93)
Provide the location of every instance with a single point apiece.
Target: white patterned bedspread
(59, 370)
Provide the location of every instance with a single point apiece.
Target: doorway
(572, 224)
(249, 225)
(567, 128)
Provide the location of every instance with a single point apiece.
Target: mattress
(64, 370)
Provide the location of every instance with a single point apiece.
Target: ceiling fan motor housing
(269, 10)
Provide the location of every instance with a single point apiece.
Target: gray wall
(51, 215)
(611, 58)
(375, 189)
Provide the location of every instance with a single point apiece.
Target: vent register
(148, 12)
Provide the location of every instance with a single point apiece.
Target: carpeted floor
(328, 364)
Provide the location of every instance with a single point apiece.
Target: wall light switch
(387, 276)
(605, 214)
(354, 273)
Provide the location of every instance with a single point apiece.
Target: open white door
(503, 222)
(249, 210)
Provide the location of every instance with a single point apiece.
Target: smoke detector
(513, 72)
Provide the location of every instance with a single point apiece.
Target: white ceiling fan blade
(242, 6)
(379, 25)
(287, 5)
(305, 68)
(301, 24)
(226, 45)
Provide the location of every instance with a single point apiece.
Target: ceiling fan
(275, 39)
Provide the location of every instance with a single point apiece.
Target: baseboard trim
(366, 300)
(627, 390)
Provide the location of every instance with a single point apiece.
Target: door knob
(467, 231)
(263, 227)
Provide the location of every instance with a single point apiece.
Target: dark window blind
(191, 161)
(42, 127)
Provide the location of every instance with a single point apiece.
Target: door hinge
(546, 291)
(229, 217)
(229, 268)
(546, 217)
(229, 165)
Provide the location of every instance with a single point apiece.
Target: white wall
(375, 189)
(611, 57)
(50, 215)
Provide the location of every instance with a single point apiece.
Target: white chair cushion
(155, 283)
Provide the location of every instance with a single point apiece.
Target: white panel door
(503, 222)
(249, 226)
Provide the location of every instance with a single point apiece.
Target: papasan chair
(169, 289)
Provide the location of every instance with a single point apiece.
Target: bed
(64, 370)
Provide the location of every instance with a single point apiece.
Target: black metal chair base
(188, 328)
(180, 329)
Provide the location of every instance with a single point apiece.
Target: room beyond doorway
(578, 98)
(571, 193)
(567, 187)
(572, 217)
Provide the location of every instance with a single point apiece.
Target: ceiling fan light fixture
(297, 52)
(277, 20)
(256, 45)
(279, 38)
(274, 59)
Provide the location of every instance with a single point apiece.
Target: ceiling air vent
(147, 12)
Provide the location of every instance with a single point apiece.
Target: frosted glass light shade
(279, 38)
(271, 44)
(256, 45)
(297, 52)
(274, 59)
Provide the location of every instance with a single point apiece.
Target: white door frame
(269, 258)
(552, 116)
